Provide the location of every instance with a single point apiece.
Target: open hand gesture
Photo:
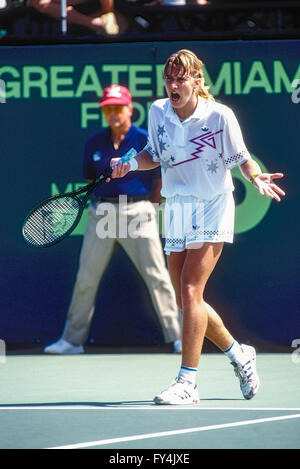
(266, 186)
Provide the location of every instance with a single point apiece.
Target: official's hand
(266, 186)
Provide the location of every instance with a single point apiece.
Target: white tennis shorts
(189, 222)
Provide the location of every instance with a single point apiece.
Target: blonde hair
(187, 61)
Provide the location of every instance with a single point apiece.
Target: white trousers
(146, 254)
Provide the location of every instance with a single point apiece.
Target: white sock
(234, 353)
(187, 373)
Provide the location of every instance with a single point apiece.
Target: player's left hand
(266, 186)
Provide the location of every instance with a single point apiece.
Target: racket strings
(51, 221)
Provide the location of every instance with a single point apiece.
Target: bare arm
(262, 181)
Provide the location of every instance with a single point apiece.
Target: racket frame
(89, 188)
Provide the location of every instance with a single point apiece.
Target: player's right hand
(119, 169)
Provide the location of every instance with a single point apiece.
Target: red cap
(115, 94)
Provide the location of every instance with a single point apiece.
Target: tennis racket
(55, 218)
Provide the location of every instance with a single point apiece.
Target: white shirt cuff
(133, 164)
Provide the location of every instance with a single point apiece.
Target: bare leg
(189, 272)
(216, 331)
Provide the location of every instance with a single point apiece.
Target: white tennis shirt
(195, 155)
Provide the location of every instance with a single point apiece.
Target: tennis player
(197, 141)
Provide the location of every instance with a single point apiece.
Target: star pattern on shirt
(160, 131)
(165, 164)
(212, 167)
(162, 146)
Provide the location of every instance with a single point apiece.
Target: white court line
(173, 432)
(149, 407)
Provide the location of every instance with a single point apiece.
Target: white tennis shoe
(245, 370)
(62, 347)
(179, 392)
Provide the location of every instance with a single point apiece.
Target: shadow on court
(102, 404)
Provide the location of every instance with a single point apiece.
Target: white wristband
(133, 164)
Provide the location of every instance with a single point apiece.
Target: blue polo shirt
(98, 152)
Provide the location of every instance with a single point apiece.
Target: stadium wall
(49, 106)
